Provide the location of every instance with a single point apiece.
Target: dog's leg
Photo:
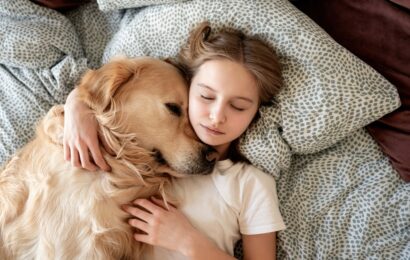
(12, 199)
(13, 193)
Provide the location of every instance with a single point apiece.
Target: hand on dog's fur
(163, 224)
(80, 137)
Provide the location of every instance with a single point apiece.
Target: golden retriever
(51, 210)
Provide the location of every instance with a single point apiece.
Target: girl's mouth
(212, 131)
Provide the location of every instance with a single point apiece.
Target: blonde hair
(251, 51)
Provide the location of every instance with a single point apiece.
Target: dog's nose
(210, 154)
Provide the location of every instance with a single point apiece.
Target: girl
(231, 76)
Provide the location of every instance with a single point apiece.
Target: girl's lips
(213, 131)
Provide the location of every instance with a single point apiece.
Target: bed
(339, 194)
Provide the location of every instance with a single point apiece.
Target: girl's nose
(217, 115)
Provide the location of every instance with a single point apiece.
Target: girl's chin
(209, 141)
(217, 144)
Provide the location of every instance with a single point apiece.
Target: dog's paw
(53, 124)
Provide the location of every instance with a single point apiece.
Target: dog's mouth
(200, 165)
(159, 158)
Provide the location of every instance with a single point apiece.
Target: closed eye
(237, 108)
(175, 109)
(207, 98)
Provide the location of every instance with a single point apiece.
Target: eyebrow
(213, 90)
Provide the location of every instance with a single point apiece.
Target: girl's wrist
(71, 100)
(73, 104)
(192, 245)
(197, 246)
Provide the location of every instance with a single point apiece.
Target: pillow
(328, 92)
(263, 144)
(109, 5)
(379, 34)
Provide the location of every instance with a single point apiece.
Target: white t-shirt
(235, 199)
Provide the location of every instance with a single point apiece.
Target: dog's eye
(174, 108)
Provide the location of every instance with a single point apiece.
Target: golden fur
(50, 210)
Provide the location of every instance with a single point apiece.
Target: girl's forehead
(220, 74)
(225, 76)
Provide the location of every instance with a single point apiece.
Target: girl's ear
(98, 87)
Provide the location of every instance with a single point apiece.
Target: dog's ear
(98, 87)
(183, 69)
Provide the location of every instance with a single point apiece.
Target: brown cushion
(378, 32)
(60, 5)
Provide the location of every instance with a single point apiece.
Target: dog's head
(146, 99)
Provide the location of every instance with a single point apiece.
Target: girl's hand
(169, 228)
(81, 136)
(165, 227)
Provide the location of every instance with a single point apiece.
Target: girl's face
(223, 100)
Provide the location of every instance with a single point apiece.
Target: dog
(51, 210)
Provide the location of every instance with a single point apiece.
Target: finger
(139, 224)
(162, 203)
(136, 212)
(75, 161)
(148, 205)
(98, 157)
(106, 146)
(66, 152)
(142, 238)
(85, 159)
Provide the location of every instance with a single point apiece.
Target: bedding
(109, 5)
(339, 195)
(379, 33)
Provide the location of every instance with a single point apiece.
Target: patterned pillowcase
(264, 145)
(109, 5)
(328, 92)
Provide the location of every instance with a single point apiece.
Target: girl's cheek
(192, 112)
(196, 109)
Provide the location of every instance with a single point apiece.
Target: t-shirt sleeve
(259, 212)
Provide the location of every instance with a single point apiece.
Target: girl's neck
(223, 151)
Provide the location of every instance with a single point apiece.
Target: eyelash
(234, 107)
(207, 98)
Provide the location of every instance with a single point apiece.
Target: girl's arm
(81, 142)
(169, 228)
(261, 246)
